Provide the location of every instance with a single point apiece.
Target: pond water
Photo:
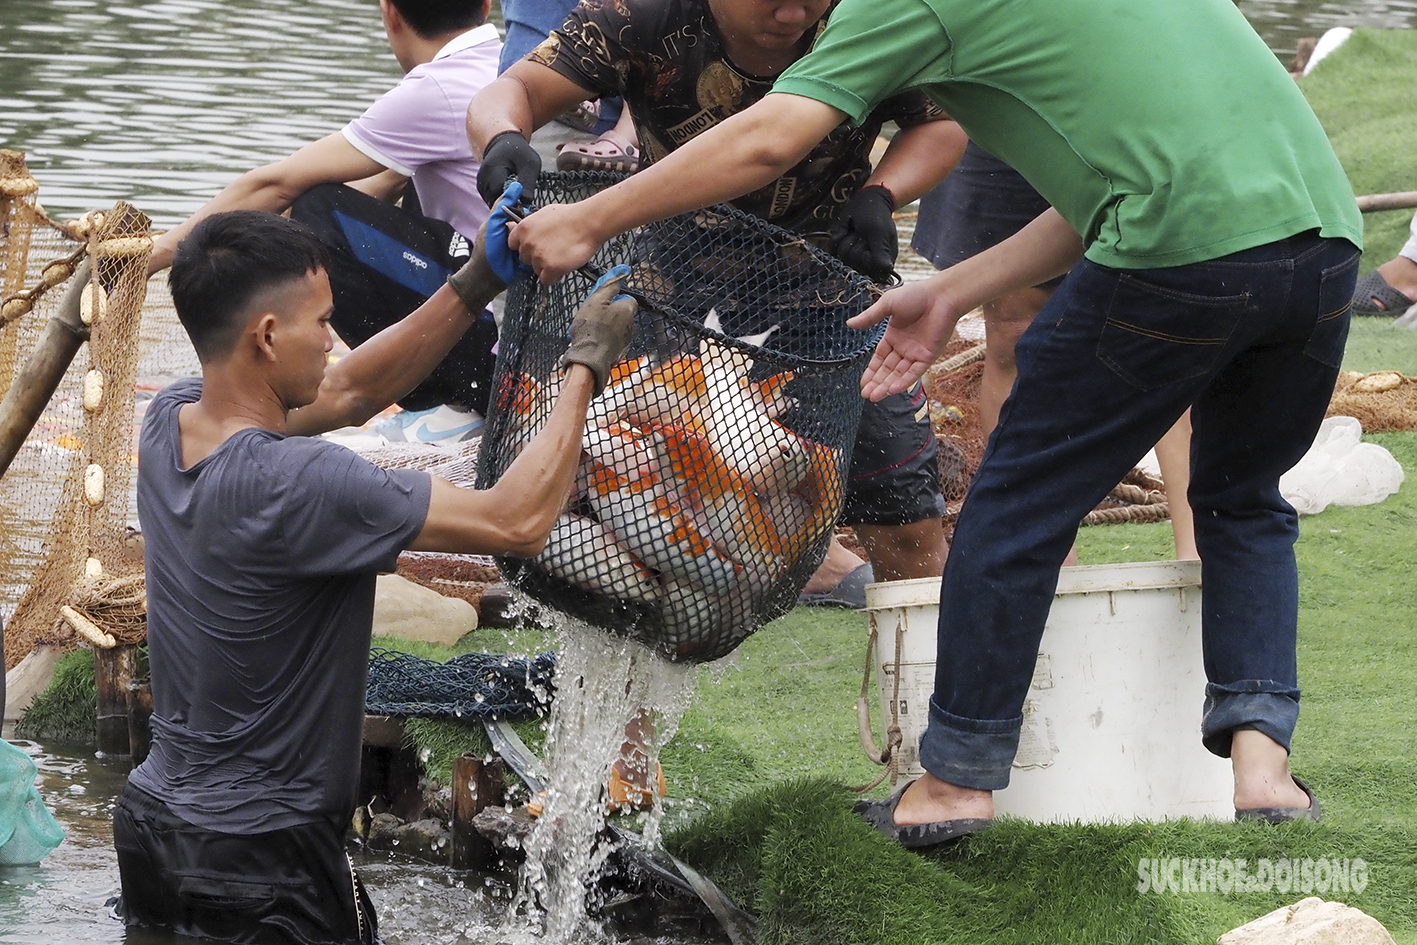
(162, 102)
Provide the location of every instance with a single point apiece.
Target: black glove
(508, 155)
(864, 235)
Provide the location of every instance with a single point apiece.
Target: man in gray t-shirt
(262, 548)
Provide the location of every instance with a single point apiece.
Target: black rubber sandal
(1374, 287)
(881, 815)
(1280, 815)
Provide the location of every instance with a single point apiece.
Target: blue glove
(615, 272)
(505, 263)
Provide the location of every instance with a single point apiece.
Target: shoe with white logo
(440, 426)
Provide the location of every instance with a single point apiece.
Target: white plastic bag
(1340, 469)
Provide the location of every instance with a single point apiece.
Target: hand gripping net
(713, 468)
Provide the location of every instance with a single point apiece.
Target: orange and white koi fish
(621, 448)
(739, 419)
(732, 511)
(624, 378)
(813, 506)
(583, 552)
(656, 529)
(527, 402)
(671, 389)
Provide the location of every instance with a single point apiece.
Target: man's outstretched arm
(745, 152)
(516, 515)
(275, 187)
(399, 358)
(922, 315)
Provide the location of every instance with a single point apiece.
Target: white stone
(414, 612)
(1311, 921)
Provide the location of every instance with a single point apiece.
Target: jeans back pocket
(1157, 335)
(1330, 334)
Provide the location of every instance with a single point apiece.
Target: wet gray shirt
(261, 563)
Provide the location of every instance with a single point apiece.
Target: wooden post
(1372, 203)
(476, 787)
(140, 711)
(114, 669)
(36, 383)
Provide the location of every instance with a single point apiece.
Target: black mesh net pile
(471, 686)
(713, 467)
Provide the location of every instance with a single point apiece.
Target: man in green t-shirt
(1213, 242)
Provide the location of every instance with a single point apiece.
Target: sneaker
(439, 426)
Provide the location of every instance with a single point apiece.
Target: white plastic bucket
(1111, 724)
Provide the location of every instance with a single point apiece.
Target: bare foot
(1262, 778)
(930, 800)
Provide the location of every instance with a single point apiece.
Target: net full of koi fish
(714, 462)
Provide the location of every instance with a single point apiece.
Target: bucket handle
(894, 738)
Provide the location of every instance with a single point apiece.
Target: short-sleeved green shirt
(1164, 131)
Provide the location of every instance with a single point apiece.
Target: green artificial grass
(763, 752)
(1375, 345)
(65, 711)
(1364, 94)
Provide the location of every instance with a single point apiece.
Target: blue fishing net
(715, 461)
(471, 686)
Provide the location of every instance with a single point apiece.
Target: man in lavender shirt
(386, 259)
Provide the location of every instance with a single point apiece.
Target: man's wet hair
(228, 262)
(431, 18)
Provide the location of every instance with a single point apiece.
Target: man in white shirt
(387, 260)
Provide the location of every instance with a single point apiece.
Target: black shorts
(295, 885)
(983, 202)
(387, 261)
(894, 478)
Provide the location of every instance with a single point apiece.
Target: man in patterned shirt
(683, 66)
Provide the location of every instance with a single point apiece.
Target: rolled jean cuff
(970, 753)
(1257, 704)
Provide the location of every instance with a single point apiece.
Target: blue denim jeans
(1252, 343)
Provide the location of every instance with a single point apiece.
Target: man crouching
(263, 544)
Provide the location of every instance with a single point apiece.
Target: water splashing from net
(602, 683)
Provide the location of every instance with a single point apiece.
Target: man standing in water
(683, 66)
(262, 548)
(1216, 242)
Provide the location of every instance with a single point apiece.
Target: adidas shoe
(440, 426)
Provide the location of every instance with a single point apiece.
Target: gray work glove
(508, 155)
(475, 283)
(601, 330)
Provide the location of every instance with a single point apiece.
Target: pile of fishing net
(67, 558)
(471, 686)
(1382, 401)
(714, 461)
